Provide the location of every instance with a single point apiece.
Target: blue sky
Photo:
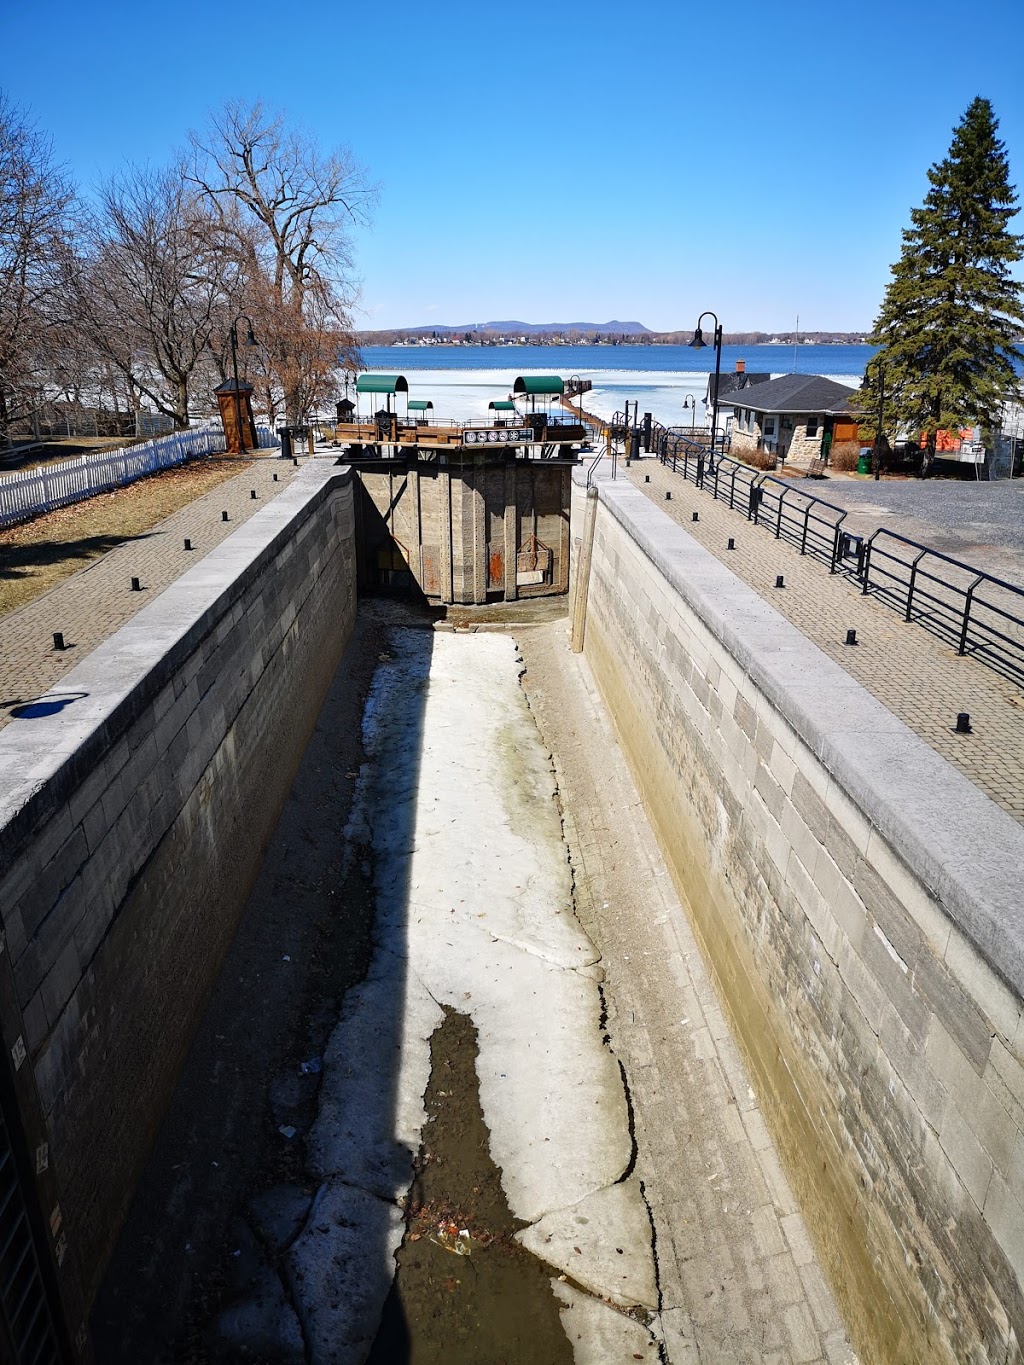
(565, 161)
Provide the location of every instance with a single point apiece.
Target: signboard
(497, 436)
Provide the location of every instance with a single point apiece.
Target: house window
(812, 426)
(768, 427)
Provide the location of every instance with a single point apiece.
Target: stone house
(792, 416)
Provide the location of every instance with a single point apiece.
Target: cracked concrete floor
(554, 927)
(518, 882)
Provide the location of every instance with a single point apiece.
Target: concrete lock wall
(859, 901)
(132, 824)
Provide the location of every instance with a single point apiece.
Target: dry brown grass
(39, 554)
(759, 459)
(844, 455)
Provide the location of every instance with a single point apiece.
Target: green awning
(382, 383)
(502, 405)
(420, 405)
(538, 383)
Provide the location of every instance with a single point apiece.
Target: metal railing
(980, 615)
(812, 524)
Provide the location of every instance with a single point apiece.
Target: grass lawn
(38, 554)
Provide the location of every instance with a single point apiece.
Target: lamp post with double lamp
(250, 340)
(698, 343)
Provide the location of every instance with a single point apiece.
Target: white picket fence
(32, 491)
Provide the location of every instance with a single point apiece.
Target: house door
(785, 435)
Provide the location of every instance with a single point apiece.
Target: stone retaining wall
(135, 803)
(859, 902)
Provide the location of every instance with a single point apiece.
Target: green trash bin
(864, 461)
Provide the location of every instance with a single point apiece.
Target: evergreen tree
(952, 310)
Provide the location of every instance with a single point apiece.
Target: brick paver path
(96, 601)
(921, 680)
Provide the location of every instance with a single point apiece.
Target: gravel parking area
(980, 522)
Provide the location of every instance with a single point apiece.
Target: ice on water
(466, 393)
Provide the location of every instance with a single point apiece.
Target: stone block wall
(859, 902)
(132, 825)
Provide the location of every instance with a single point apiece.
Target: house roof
(801, 393)
(733, 382)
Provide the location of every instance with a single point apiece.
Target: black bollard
(963, 723)
(851, 637)
(58, 640)
(136, 585)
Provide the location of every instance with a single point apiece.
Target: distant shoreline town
(586, 334)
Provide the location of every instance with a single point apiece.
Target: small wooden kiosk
(239, 435)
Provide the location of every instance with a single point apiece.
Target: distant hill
(512, 328)
(528, 328)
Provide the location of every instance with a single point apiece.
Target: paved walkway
(919, 679)
(93, 603)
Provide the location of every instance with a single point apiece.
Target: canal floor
(465, 1035)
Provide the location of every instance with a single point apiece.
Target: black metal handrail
(810, 523)
(977, 613)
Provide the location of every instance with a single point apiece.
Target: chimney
(741, 367)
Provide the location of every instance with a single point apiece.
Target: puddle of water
(496, 1303)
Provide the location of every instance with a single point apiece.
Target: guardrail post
(866, 569)
(967, 613)
(778, 519)
(836, 533)
(913, 578)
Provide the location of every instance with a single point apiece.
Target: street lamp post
(698, 343)
(250, 340)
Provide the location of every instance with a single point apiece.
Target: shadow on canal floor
(201, 1272)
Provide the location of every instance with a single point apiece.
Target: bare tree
(35, 204)
(285, 211)
(152, 285)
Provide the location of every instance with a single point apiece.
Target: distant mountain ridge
(528, 328)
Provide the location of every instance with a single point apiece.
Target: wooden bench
(816, 469)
